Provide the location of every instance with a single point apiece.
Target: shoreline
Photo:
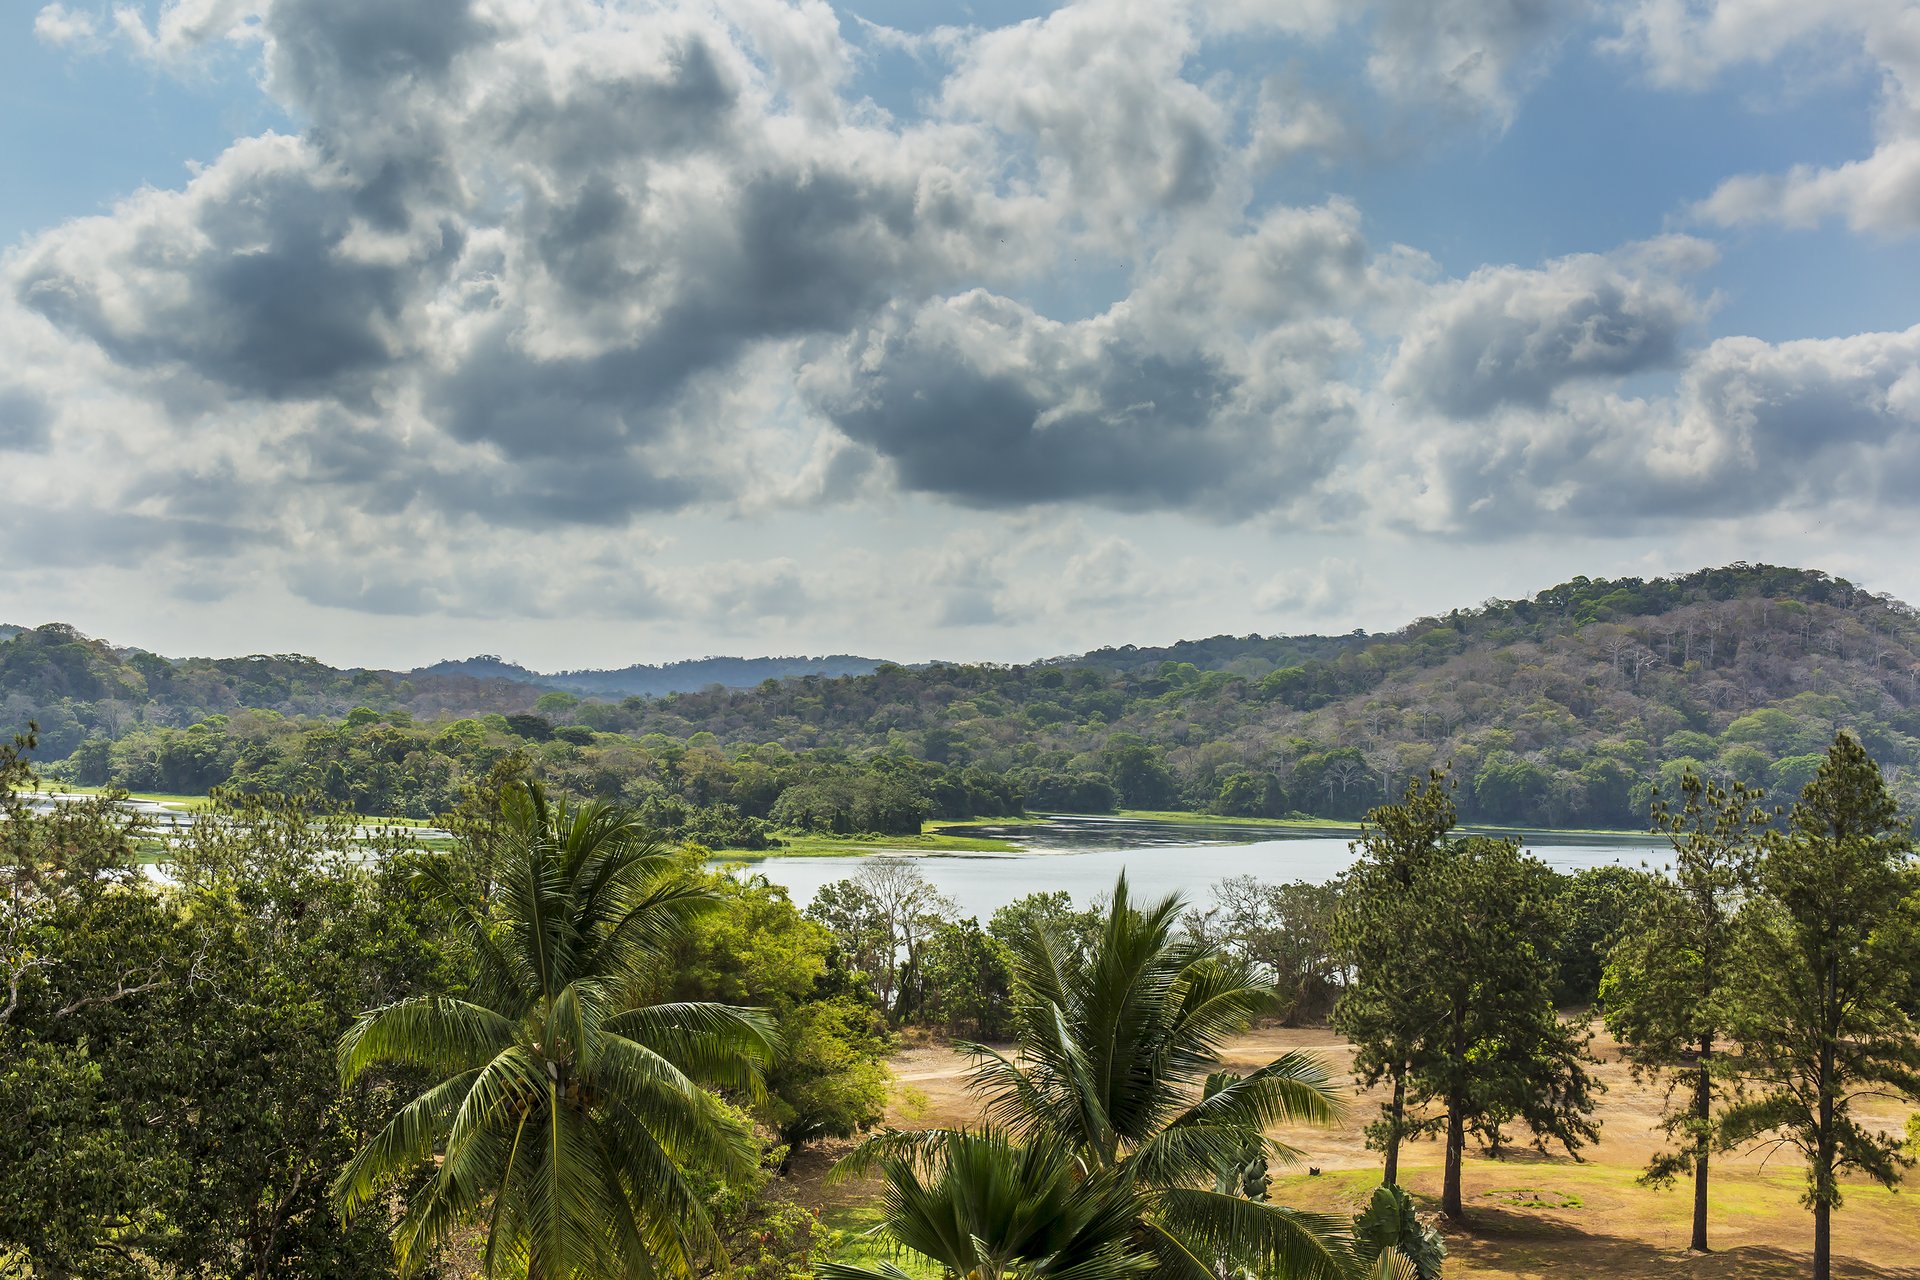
(948, 836)
(956, 835)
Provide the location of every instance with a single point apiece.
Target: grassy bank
(951, 835)
(168, 800)
(187, 803)
(1334, 826)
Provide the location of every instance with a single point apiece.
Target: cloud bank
(529, 288)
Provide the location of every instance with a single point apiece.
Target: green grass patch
(188, 803)
(944, 824)
(167, 799)
(1610, 833)
(854, 1242)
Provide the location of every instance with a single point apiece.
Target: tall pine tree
(1499, 1052)
(1667, 982)
(1387, 1005)
(1829, 964)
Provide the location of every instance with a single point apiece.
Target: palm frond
(435, 1033)
(1295, 1088)
(848, 1271)
(1273, 1240)
(1392, 1264)
(404, 1142)
(716, 1043)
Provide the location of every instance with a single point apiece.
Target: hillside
(1563, 709)
(75, 686)
(1559, 709)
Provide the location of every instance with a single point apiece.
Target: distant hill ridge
(656, 680)
(1561, 699)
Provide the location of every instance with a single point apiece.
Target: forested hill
(1565, 708)
(1561, 708)
(646, 680)
(75, 686)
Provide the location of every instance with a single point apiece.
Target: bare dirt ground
(1529, 1215)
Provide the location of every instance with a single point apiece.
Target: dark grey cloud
(328, 56)
(980, 400)
(798, 253)
(25, 420)
(1819, 424)
(616, 114)
(1512, 336)
(246, 279)
(1806, 423)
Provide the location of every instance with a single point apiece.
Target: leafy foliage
(168, 1103)
(1389, 1224)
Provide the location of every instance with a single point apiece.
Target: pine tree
(1499, 1052)
(1827, 976)
(1387, 1004)
(1668, 982)
(1450, 943)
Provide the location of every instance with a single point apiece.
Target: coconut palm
(1115, 1043)
(564, 1106)
(983, 1207)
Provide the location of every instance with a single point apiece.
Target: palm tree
(1116, 1041)
(565, 1107)
(984, 1207)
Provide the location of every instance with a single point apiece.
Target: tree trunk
(1456, 1146)
(1702, 1113)
(1397, 1122)
(1824, 1152)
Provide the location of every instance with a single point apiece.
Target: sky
(597, 333)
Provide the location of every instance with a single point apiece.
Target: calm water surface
(1083, 856)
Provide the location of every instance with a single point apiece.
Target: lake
(1083, 855)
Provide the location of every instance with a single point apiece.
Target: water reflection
(1084, 855)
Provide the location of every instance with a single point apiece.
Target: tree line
(389, 766)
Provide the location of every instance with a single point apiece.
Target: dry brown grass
(1530, 1215)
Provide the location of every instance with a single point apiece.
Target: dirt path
(1549, 1217)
